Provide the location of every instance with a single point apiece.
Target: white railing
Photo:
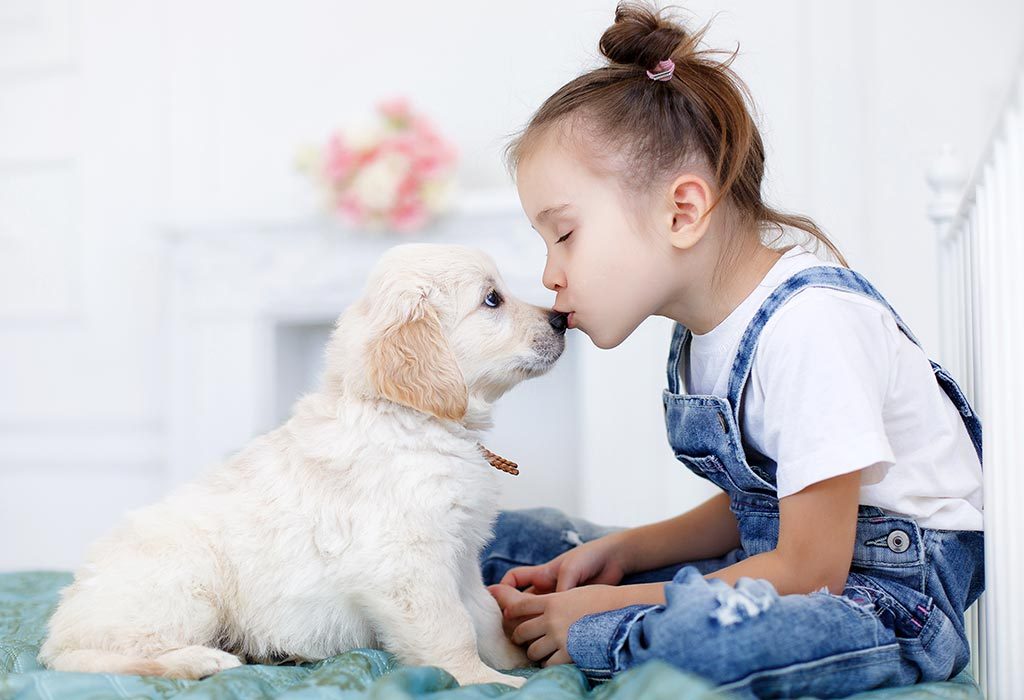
(980, 223)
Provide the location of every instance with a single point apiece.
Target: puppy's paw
(509, 655)
(514, 681)
(196, 662)
(490, 676)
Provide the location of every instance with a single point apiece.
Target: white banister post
(947, 178)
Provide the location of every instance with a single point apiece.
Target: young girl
(847, 540)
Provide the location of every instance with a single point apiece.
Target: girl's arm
(817, 527)
(709, 530)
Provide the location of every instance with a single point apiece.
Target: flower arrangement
(393, 175)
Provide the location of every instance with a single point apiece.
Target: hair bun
(641, 37)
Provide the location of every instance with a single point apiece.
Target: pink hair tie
(663, 71)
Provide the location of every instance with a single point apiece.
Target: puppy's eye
(493, 299)
(563, 238)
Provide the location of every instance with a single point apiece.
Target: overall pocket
(902, 609)
(927, 637)
(710, 468)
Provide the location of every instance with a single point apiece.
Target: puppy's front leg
(496, 649)
(421, 619)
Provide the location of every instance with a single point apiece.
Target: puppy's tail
(95, 661)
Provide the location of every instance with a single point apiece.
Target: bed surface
(27, 599)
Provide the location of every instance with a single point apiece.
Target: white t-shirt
(835, 387)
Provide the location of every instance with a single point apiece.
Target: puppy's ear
(411, 363)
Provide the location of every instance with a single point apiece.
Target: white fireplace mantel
(313, 266)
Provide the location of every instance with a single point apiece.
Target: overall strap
(840, 278)
(674, 353)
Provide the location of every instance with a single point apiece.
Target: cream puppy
(357, 523)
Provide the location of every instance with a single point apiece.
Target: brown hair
(699, 116)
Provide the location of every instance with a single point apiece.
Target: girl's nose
(552, 278)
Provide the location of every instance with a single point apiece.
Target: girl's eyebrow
(551, 210)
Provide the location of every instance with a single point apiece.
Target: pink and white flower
(394, 175)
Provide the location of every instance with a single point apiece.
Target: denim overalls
(899, 620)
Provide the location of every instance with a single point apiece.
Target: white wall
(119, 117)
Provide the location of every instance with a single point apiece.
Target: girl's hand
(600, 561)
(543, 621)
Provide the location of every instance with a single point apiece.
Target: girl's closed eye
(563, 238)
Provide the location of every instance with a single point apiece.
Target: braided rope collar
(499, 463)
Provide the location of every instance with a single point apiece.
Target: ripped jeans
(749, 640)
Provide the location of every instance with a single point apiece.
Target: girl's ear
(410, 362)
(690, 202)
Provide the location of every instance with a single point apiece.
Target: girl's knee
(702, 604)
(514, 527)
(526, 537)
(725, 633)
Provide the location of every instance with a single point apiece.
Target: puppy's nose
(558, 321)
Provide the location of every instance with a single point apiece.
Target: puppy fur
(357, 523)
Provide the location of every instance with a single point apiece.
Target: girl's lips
(570, 321)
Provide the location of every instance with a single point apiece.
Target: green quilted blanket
(27, 599)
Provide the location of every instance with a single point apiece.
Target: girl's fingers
(526, 605)
(559, 657)
(540, 577)
(514, 603)
(503, 593)
(509, 624)
(607, 577)
(567, 578)
(528, 630)
(542, 648)
(519, 576)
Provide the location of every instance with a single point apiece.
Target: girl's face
(607, 275)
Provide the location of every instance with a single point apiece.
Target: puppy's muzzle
(549, 343)
(559, 321)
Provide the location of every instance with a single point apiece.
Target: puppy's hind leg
(192, 663)
(420, 618)
(99, 661)
(138, 619)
